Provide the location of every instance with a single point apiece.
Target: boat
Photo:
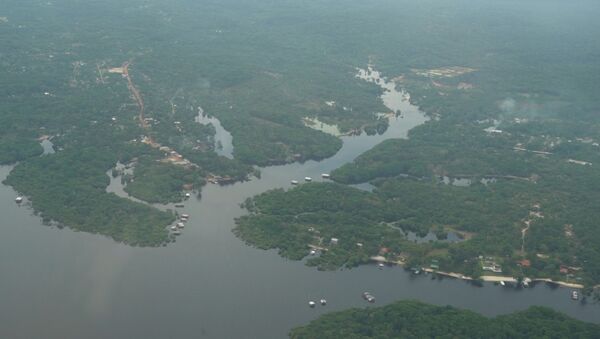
(502, 283)
(313, 252)
(185, 216)
(368, 297)
(311, 303)
(574, 295)
(19, 200)
(294, 182)
(180, 225)
(173, 228)
(380, 265)
(323, 302)
(177, 232)
(325, 176)
(187, 195)
(179, 205)
(308, 179)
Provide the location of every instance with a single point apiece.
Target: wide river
(56, 283)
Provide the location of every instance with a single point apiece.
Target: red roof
(524, 263)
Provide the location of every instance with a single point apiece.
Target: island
(412, 319)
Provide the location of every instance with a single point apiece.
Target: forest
(157, 182)
(554, 197)
(65, 85)
(246, 65)
(412, 319)
(488, 217)
(70, 189)
(538, 162)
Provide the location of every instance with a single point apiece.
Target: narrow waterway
(223, 139)
(209, 284)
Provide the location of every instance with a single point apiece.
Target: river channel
(57, 283)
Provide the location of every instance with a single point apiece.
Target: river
(57, 283)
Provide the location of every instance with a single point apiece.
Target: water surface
(223, 139)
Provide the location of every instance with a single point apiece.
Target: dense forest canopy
(411, 319)
(125, 82)
(513, 114)
(504, 172)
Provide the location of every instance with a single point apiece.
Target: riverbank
(487, 278)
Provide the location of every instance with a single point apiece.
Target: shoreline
(486, 278)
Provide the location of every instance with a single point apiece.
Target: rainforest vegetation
(157, 182)
(411, 319)
(247, 65)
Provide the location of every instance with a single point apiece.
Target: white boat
(311, 303)
(574, 295)
(294, 182)
(185, 216)
(180, 225)
(380, 265)
(187, 195)
(323, 302)
(502, 283)
(368, 297)
(19, 200)
(325, 176)
(173, 228)
(309, 179)
(313, 252)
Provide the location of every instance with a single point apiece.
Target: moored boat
(368, 297)
(574, 295)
